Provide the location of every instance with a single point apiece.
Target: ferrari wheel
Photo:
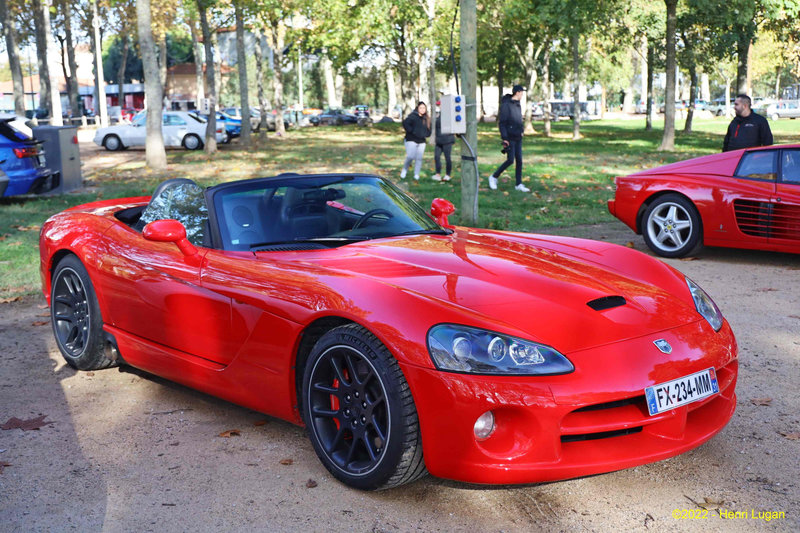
(75, 314)
(672, 226)
(359, 412)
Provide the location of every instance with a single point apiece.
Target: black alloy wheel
(75, 314)
(359, 412)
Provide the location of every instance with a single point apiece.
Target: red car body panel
(710, 184)
(231, 324)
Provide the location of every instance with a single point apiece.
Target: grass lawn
(570, 181)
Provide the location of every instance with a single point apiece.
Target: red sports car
(739, 199)
(403, 344)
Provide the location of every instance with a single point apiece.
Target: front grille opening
(606, 302)
(601, 435)
(611, 405)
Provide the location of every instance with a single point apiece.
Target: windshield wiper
(353, 238)
(436, 231)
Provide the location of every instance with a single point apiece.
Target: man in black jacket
(511, 128)
(748, 128)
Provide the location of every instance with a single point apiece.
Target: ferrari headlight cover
(466, 349)
(705, 305)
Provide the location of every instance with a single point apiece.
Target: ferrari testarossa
(739, 199)
(405, 345)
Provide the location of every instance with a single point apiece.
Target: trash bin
(62, 155)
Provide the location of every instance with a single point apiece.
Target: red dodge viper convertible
(403, 344)
(739, 199)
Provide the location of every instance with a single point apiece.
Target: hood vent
(606, 302)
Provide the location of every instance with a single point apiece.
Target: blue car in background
(22, 162)
(233, 126)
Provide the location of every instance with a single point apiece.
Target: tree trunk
(241, 59)
(12, 48)
(74, 102)
(330, 82)
(687, 127)
(278, 38)
(154, 142)
(162, 63)
(778, 73)
(100, 86)
(546, 93)
(742, 54)
(668, 140)
(645, 67)
(262, 97)
(501, 67)
(651, 60)
(483, 109)
(392, 89)
(121, 71)
(604, 101)
(526, 101)
(574, 40)
(42, 31)
(200, 91)
(469, 74)
(211, 127)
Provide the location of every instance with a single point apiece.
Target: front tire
(775, 116)
(672, 226)
(359, 413)
(192, 142)
(75, 316)
(112, 143)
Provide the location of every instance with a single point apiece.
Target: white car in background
(179, 128)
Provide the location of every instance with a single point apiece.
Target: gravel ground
(128, 451)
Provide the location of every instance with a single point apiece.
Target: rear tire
(192, 142)
(75, 316)
(359, 413)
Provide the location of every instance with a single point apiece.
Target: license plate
(666, 396)
(41, 160)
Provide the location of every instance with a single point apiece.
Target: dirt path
(128, 451)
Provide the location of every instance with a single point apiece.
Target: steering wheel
(369, 214)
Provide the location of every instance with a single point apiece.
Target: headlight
(478, 351)
(705, 305)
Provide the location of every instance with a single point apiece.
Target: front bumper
(591, 421)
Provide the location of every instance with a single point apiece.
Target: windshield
(332, 210)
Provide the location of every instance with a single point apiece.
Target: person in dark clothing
(444, 145)
(511, 128)
(748, 128)
(418, 126)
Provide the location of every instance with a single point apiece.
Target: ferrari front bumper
(591, 421)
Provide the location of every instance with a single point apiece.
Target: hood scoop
(606, 302)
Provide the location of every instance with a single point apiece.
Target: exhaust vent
(606, 302)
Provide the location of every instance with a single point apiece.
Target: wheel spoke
(330, 447)
(64, 317)
(682, 224)
(327, 413)
(337, 368)
(662, 236)
(372, 454)
(378, 429)
(64, 300)
(673, 212)
(677, 239)
(319, 387)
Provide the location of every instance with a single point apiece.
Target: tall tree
(41, 19)
(154, 142)
(241, 60)
(668, 140)
(12, 49)
(211, 127)
(65, 14)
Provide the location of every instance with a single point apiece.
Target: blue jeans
(513, 154)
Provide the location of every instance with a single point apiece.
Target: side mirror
(441, 209)
(169, 230)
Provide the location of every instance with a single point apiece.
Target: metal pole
(469, 79)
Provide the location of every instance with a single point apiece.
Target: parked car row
(179, 128)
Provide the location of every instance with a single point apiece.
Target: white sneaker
(493, 183)
(522, 188)
(416, 178)
(403, 175)
(436, 177)
(446, 178)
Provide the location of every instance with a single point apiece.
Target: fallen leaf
(90, 374)
(795, 435)
(629, 244)
(767, 289)
(40, 323)
(286, 462)
(794, 316)
(688, 259)
(260, 423)
(761, 401)
(311, 484)
(44, 306)
(4, 464)
(25, 425)
(711, 503)
(9, 300)
(231, 433)
(44, 315)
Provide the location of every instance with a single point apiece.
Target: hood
(537, 287)
(723, 164)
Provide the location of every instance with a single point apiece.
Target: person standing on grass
(444, 145)
(511, 128)
(748, 128)
(418, 127)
